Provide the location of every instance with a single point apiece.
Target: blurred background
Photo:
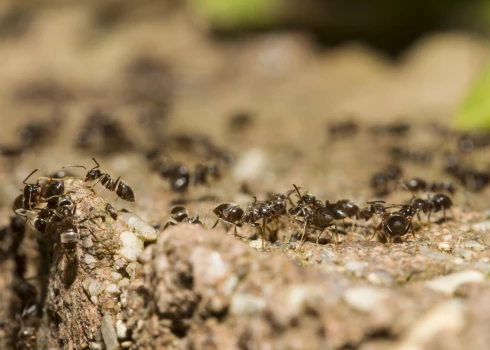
(259, 84)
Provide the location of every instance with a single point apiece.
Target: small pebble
(444, 247)
(482, 226)
(144, 231)
(121, 330)
(447, 318)
(109, 333)
(89, 259)
(246, 304)
(126, 344)
(475, 246)
(112, 289)
(124, 282)
(116, 277)
(95, 287)
(95, 346)
(257, 244)
(132, 246)
(449, 283)
(365, 298)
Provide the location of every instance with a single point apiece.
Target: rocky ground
(121, 88)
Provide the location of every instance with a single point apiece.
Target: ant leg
(335, 234)
(263, 233)
(428, 220)
(414, 237)
(376, 231)
(451, 211)
(96, 182)
(169, 223)
(303, 234)
(236, 235)
(216, 223)
(319, 235)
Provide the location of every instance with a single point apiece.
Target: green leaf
(475, 110)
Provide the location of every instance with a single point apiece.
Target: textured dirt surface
(157, 74)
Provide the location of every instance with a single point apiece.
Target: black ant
(383, 183)
(32, 192)
(264, 211)
(316, 215)
(111, 210)
(180, 214)
(122, 189)
(395, 224)
(229, 213)
(441, 202)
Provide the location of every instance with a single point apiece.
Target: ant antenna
(405, 187)
(98, 166)
(373, 202)
(24, 182)
(74, 166)
(206, 216)
(297, 190)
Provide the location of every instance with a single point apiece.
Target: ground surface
(202, 289)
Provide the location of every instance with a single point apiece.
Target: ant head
(93, 174)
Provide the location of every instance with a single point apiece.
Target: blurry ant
(441, 202)
(180, 214)
(122, 189)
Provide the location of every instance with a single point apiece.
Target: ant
(382, 183)
(111, 210)
(181, 214)
(395, 224)
(122, 189)
(264, 211)
(230, 213)
(32, 193)
(441, 202)
(316, 215)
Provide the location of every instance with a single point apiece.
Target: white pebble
(447, 317)
(475, 246)
(89, 259)
(444, 247)
(365, 298)
(257, 244)
(144, 231)
(95, 346)
(246, 304)
(448, 284)
(126, 344)
(132, 246)
(121, 330)
(109, 333)
(250, 165)
(458, 261)
(95, 287)
(116, 276)
(112, 289)
(483, 226)
(123, 283)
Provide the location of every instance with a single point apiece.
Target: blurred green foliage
(236, 13)
(475, 110)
